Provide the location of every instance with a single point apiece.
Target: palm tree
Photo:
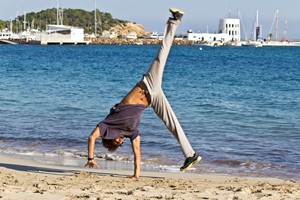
(270, 36)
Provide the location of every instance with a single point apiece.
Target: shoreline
(142, 41)
(26, 179)
(119, 163)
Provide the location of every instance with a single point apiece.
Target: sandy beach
(25, 179)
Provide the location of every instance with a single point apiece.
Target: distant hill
(71, 17)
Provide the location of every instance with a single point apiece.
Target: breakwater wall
(139, 41)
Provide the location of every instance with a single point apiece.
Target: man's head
(113, 144)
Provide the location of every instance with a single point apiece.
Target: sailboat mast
(285, 29)
(276, 33)
(261, 31)
(257, 18)
(11, 26)
(17, 21)
(95, 18)
(229, 12)
(24, 22)
(57, 20)
(240, 17)
(257, 28)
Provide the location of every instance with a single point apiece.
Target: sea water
(239, 106)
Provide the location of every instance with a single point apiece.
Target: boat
(280, 44)
(61, 34)
(154, 35)
(209, 43)
(5, 35)
(233, 44)
(256, 34)
(131, 35)
(107, 34)
(252, 44)
(274, 42)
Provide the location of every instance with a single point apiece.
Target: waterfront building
(61, 34)
(229, 31)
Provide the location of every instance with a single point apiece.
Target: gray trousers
(152, 83)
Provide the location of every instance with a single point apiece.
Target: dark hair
(108, 144)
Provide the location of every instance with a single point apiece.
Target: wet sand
(25, 179)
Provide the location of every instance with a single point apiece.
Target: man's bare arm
(91, 146)
(137, 157)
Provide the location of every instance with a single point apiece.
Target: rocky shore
(138, 41)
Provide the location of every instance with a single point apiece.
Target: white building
(208, 37)
(231, 27)
(229, 30)
(61, 34)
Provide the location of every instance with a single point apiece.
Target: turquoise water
(239, 106)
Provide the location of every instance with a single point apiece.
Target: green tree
(71, 17)
(2, 24)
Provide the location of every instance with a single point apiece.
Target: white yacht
(131, 35)
(252, 44)
(154, 35)
(5, 35)
(61, 34)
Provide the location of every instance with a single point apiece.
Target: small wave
(65, 153)
(67, 108)
(9, 100)
(113, 157)
(244, 165)
(232, 163)
(255, 165)
(170, 168)
(21, 152)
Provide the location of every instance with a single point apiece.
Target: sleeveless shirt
(122, 121)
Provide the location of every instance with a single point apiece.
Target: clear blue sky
(200, 14)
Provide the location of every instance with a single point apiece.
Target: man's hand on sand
(91, 164)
